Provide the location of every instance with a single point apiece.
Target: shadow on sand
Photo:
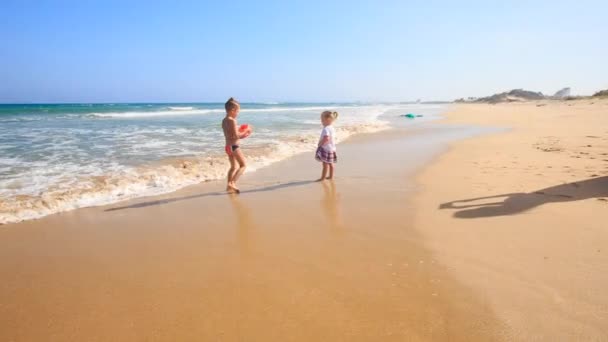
(210, 194)
(516, 203)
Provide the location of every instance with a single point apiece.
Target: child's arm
(324, 141)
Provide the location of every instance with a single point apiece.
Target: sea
(59, 157)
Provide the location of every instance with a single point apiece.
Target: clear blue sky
(137, 51)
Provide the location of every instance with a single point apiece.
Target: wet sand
(521, 217)
(288, 259)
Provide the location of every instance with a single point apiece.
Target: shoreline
(519, 218)
(337, 260)
(146, 157)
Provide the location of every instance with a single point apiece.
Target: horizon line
(221, 103)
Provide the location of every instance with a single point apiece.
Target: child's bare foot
(320, 179)
(329, 178)
(233, 189)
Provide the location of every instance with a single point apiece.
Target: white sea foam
(151, 114)
(181, 108)
(177, 111)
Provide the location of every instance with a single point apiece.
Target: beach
(520, 217)
(396, 248)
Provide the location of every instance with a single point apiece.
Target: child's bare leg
(323, 173)
(331, 171)
(233, 169)
(240, 158)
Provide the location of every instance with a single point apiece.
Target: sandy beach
(397, 248)
(470, 197)
(520, 217)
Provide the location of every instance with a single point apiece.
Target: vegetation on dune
(601, 93)
(521, 95)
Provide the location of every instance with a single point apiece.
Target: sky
(297, 51)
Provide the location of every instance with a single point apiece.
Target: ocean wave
(152, 114)
(177, 111)
(286, 109)
(22, 119)
(181, 108)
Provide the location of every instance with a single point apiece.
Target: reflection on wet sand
(244, 225)
(331, 206)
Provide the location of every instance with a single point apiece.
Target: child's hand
(246, 133)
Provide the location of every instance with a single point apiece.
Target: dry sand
(521, 217)
(356, 259)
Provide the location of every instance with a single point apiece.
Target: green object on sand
(410, 115)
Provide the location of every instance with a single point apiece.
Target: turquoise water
(59, 157)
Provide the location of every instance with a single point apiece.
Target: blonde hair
(231, 104)
(329, 114)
